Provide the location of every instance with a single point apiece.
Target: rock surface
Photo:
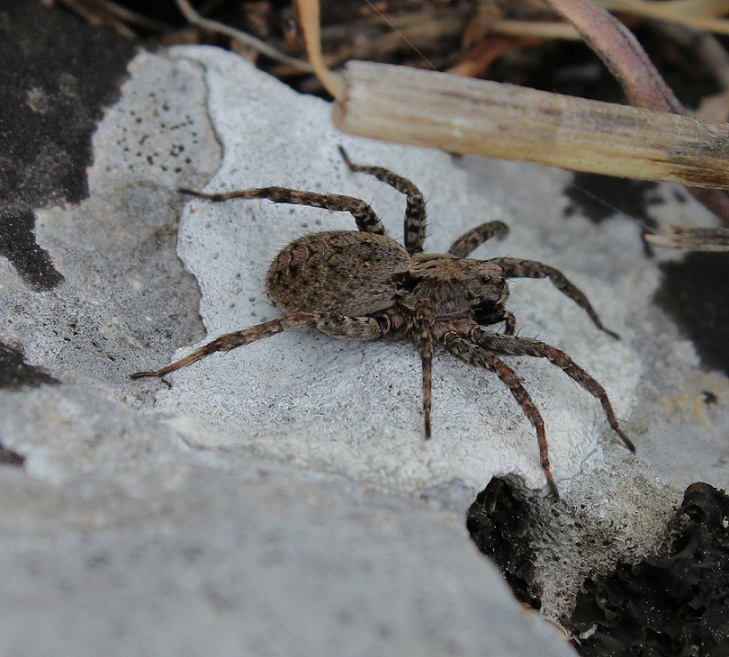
(281, 499)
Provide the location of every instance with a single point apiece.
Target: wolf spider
(362, 285)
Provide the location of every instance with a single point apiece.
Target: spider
(362, 285)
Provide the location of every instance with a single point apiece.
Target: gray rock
(281, 499)
(120, 533)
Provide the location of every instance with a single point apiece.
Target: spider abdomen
(345, 272)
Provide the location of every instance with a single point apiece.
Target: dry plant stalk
(697, 14)
(713, 240)
(694, 14)
(307, 13)
(478, 117)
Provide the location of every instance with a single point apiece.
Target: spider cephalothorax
(362, 285)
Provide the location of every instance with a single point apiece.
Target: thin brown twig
(620, 51)
(98, 15)
(246, 39)
(132, 17)
(535, 29)
(480, 57)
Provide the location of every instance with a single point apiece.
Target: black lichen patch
(15, 372)
(57, 76)
(673, 604)
(695, 294)
(601, 197)
(500, 526)
(17, 244)
(10, 457)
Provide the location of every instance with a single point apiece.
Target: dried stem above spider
(362, 285)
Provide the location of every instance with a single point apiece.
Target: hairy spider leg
(517, 268)
(501, 315)
(365, 217)
(476, 355)
(424, 320)
(471, 240)
(336, 326)
(415, 215)
(513, 346)
(509, 322)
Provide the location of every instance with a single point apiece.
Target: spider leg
(477, 355)
(424, 320)
(415, 217)
(470, 241)
(336, 326)
(366, 219)
(516, 268)
(502, 315)
(513, 346)
(509, 323)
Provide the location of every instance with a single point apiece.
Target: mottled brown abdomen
(349, 273)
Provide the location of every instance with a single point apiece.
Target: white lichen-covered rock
(117, 537)
(282, 499)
